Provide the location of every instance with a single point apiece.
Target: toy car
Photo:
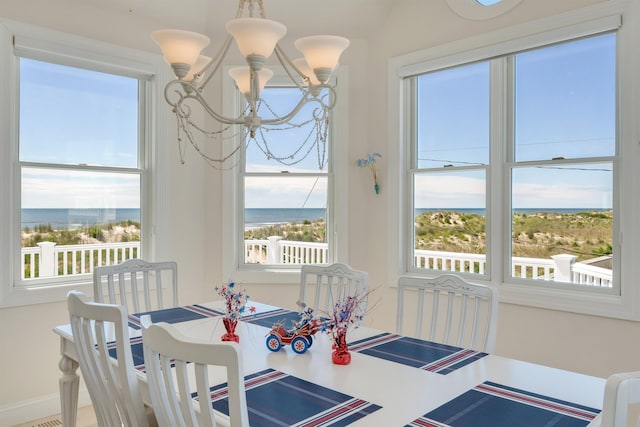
(300, 336)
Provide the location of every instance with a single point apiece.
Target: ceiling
(350, 18)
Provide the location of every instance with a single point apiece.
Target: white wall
(29, 358)
(30, 350)
(593, 345)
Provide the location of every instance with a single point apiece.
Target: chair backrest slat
(173, 403)
(463, 314)
(113, 387)
(133, 283)
(621, 393)
(330, 283)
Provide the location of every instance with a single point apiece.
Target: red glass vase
(230, 327)
(340, 355)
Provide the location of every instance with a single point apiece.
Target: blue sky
(564, 110)
(103, 131)
(565, 107)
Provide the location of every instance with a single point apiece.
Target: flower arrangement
(348, 312)
(370, 162)
(234, 307)
(235, 301)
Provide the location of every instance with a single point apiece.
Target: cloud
(449, 191)
(72, 189)
(285, 191)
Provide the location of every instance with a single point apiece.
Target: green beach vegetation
(306, 231)
(125, 231)
(536, 235)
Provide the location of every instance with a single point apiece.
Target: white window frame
(337, 228)
(53, 46)
(471, 9)
(584, 22)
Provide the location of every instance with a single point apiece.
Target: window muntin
(285, 206)
(81, 170)
(575, 174)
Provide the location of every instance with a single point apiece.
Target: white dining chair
(459, 313)
(327, 283)
(113, 387)
(138, 285)
(173, 404)
(620, 392)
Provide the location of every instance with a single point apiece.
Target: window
(560, 157)
(284, 194)
(80, 170)
(513, 158)
(76, 162)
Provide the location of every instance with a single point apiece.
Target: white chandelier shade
(242, 77)
(256, 36)
(257, 39)
(322, 53)
(180, 48)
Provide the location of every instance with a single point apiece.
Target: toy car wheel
(273, 343)
(299, 345)
(310, 339)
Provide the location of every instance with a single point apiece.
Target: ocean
(482, 211)
(255, 217)
(80, 218)
(76, 218)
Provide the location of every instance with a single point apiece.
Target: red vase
(230, 327)
(340, 355)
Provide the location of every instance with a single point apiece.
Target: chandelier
(257, 39)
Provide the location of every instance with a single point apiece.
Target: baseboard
(36, 408)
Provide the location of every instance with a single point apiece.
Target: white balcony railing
(49, 260)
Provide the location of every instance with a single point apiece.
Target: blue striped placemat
(278, 399)
(175, 315)
(136, 352)
(496, 405)
(427, 355)
(267, 319)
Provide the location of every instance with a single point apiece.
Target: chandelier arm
(217, 60)
(333, 98)
(198, 97)
(286, 63)
(305, 100)
(180, 91)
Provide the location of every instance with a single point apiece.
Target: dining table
(391, 380)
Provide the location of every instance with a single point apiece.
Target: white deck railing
(49, 260)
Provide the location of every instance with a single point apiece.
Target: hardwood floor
(86, 418)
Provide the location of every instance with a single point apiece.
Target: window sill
(40, 294)
(266, 275)
(588, 303)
